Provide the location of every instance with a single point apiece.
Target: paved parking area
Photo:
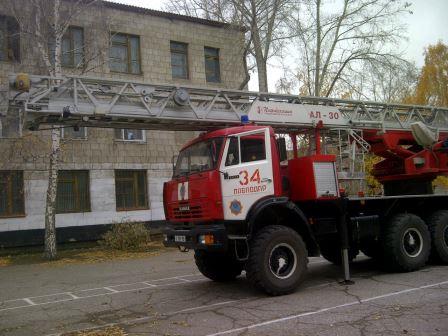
(164, 295)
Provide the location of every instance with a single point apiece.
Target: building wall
(101, 154)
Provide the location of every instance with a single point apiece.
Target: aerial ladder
(225, 203)
(408, 137)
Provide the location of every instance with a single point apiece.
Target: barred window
(130, 134)
(12, 202)
(9, 39)
(73, 193)
(125, 53)
(179, 59)
(78, 133)
(212, 71)
(131, 190)
(72, 49)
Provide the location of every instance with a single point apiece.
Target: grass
(75, 253)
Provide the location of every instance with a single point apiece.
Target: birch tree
(45, 22)
(264, 20)
(336, 39)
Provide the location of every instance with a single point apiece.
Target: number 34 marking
(244, 174)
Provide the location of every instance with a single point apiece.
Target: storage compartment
(313, 177)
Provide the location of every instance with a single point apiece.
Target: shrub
(126, 236)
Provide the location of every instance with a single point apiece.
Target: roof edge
(171, 16)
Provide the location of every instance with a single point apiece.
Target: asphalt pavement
(165, 295)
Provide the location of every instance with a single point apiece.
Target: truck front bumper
(193, 237)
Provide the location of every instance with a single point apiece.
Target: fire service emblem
(182, 191)
(236, 207)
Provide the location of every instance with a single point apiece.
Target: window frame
(142, 140)
(77, 194)
(240, 159)
(8, 45)
(215, 58)
(76, 139)
(128, 46)
(72, 48)
(134, 180)
(11, 194)
(187, 59)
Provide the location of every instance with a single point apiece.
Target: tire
(406, 243)
(438, 228)
(218, 267)
(371, 249)
(278, 260)
(332, 252)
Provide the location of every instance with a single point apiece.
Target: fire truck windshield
(198, 157)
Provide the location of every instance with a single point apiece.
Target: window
(125, 53)
(130, 134)
(74, 133)
(9, 39)
(131, 190)
(198, 157)
(179, 59)
(72, 50)
(212, 73)
(73, 193)
(233, 153)
(252, 148)
(247, 148)
(12, 202)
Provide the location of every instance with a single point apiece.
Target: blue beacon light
(244, 119)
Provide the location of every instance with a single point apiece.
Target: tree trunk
(262, 76)
(50, 220)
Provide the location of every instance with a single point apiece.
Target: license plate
(180, 239)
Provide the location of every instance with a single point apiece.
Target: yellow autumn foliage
(373, 187)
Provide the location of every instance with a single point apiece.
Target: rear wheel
(406, 243)
(438, 227)
(331, 251)
(371, 248)
(277, 261)
(219, 267)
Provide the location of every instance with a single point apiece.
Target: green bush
(127, 236)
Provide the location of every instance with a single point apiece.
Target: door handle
(266, 179)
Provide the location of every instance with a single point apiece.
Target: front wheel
(277, 261)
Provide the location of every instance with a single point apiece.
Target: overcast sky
(427, 25)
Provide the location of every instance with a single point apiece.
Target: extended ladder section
(99, 102)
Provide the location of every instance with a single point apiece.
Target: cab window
(233, 153)
(251, 147)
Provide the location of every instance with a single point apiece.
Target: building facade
(106, 175)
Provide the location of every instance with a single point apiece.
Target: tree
(389, 82)
(264, 20)
(46, 24)
(432, 85)
(337, 39)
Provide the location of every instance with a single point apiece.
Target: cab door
(246, 172)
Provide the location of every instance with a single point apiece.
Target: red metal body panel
(403, 158)
(301, 177)
(204, 201)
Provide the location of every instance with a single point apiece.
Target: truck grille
(188, 211)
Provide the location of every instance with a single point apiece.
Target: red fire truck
(242, 202)
(239, 202)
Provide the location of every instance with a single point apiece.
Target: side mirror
(281, 146)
